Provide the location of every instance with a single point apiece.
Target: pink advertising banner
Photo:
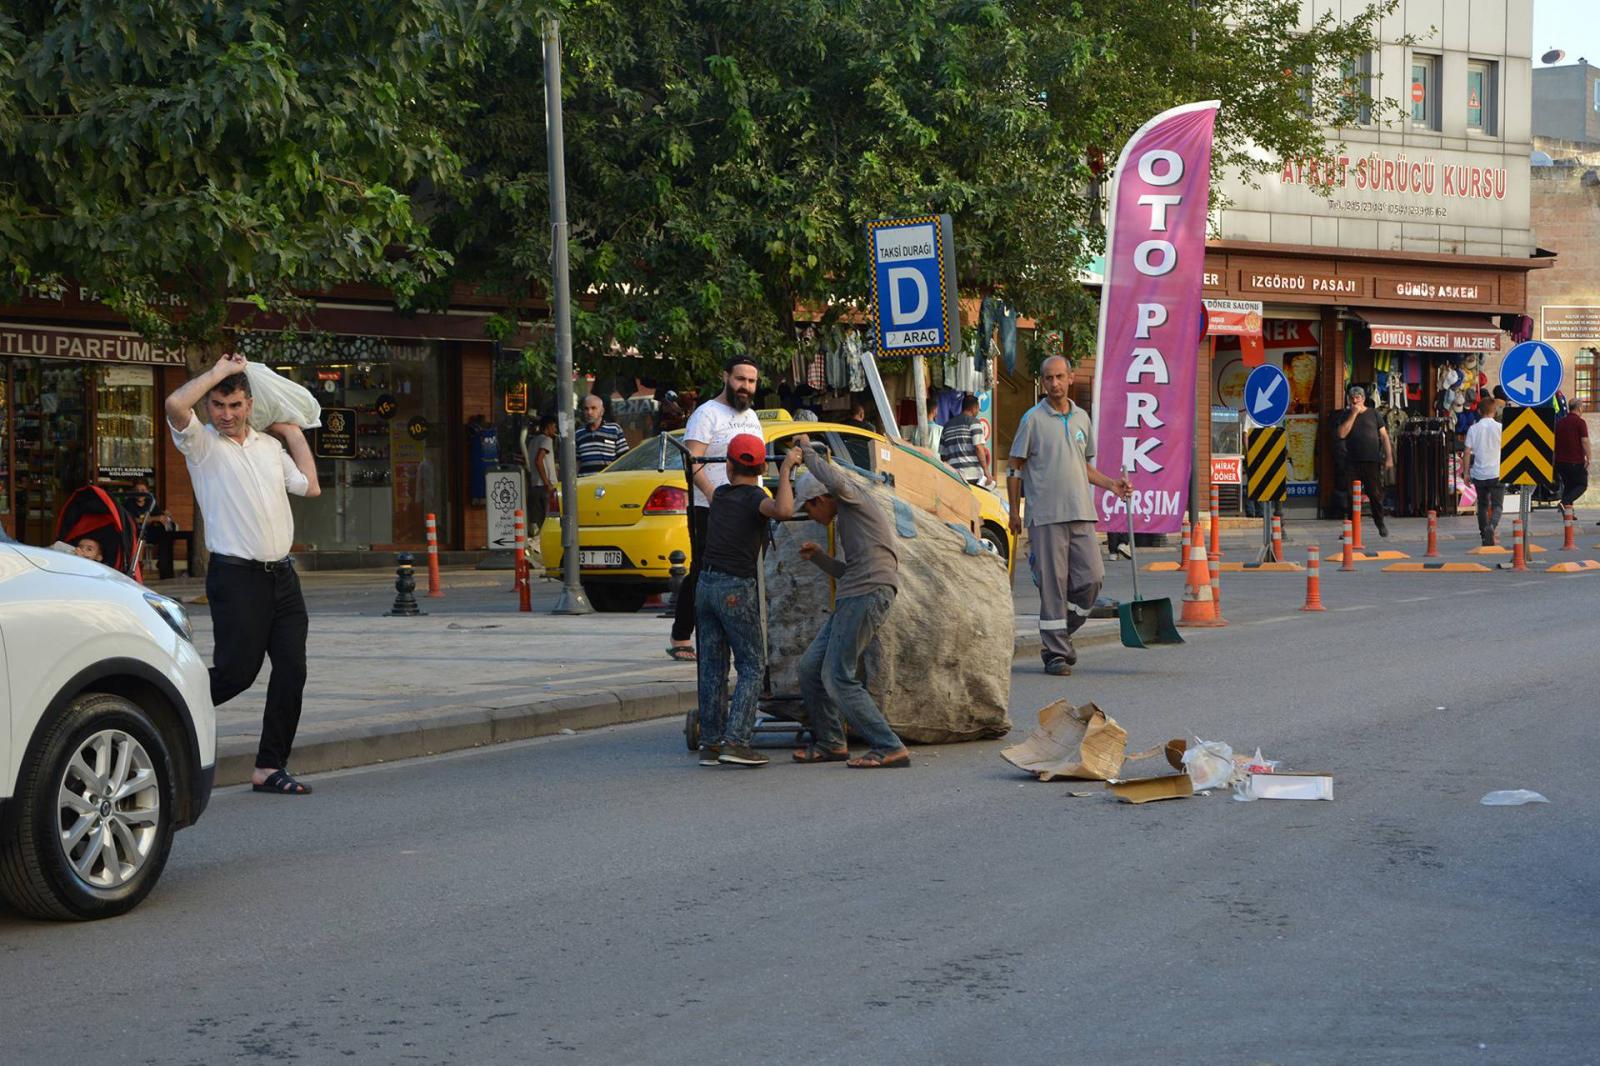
(1152, 318)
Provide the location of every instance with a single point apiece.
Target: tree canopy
(723, 155)
(176, 155)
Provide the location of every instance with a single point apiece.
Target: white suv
(107, 734)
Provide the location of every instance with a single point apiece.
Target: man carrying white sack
(242, 481)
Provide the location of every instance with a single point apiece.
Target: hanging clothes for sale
(855, 372)
(837, 374)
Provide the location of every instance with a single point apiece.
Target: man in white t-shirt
(713, 424)
(1482, 458)
(242, 482)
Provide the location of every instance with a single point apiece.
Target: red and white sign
(1238, 318)
(1418, 92)
(1227, 470)
(1419, 339)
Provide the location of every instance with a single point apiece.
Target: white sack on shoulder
(277, 399)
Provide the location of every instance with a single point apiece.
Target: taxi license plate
(599, 558)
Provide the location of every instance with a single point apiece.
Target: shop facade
(81, 403)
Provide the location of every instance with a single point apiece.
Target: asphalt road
(601, 899)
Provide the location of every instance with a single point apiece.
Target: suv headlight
(171, 612)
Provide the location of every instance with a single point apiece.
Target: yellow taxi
(632, 516)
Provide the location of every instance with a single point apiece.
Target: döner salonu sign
(98, 346)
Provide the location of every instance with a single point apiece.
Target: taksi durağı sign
(1152, 316)
(914, 305)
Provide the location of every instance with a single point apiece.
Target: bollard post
(434, 591)
(1569, 529)
(1433, 536)
(524, 592)
(675, 575)
(1277, 538)
(1349, 549)
(1216, 522)
(405, 589)
(1313, 579)
(1519, 551)
(1355, 516)
(1214, 574)
(1183, 553)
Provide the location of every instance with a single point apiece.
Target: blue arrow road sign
(1266, 395)
(1531, 373)
(914, 308)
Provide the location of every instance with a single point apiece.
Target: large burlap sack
(940, 668)
(277, 399)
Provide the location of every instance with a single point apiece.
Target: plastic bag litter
(1209, 763)
(277, 399)
(1513, 797)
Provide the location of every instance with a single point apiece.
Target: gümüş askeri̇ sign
(913, 295)
(1152, 317)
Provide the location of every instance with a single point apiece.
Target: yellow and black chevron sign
(1528, 446)
(1266, 465)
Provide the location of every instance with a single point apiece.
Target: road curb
(408, 734)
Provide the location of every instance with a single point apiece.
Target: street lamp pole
(572, 599)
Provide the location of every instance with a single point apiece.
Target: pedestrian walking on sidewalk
(711, 426)
(242, 480)
(1051, 458)
(599, 442)
(1368, 453)
(831, 680)
(1482, 460)
(1572, 453)
(727, 600)
(541, 462)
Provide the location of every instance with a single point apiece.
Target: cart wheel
(691, 729)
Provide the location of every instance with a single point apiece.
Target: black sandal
(282, 783)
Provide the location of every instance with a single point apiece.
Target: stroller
(91, 512)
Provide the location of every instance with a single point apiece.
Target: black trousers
(1370, 474)
(683, 614)
(1574, 479)
(158, 542)
(257, 614)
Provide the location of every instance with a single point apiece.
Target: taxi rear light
(667, 500)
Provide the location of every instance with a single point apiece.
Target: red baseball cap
(748, 449)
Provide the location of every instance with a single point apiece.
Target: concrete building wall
(1567, 102)
(1434, 186)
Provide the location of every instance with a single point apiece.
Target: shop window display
(381, 454)
(48, 412)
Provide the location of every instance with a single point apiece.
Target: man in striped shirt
(600, 443)
(961, 446)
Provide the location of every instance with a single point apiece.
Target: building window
(1480, 97)
(1585, 387)
(1357, 106)
(1425, 91)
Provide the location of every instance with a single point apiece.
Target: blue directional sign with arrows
(1531, 373)
(1266, 395)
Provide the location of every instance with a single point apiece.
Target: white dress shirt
(242, 490)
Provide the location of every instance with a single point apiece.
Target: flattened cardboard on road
(1150, 789)
(1071, 742)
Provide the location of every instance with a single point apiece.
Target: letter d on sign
(897, 314)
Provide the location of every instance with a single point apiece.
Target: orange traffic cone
(1198, 609)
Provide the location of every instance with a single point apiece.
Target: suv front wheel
(91, 825)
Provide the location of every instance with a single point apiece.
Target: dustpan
(1145, 622)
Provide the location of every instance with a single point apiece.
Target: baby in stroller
(87, 548)
(92, 525)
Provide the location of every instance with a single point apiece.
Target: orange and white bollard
(1183, 556)
(1355, 516)
(1198, 609)
(524, 592)
(1569, 527)
(1519, 551)
(1214, 574)
(433, 558)
(1277, 538)
(1216, 522)
(1348, 548)
(1433, 536)
(1313, 579)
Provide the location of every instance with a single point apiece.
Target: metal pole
(919, 386)
(572, 600)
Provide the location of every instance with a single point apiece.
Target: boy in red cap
(726, 603)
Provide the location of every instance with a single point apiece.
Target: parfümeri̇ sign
(1152, 317)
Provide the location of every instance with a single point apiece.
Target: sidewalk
(472, 671)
